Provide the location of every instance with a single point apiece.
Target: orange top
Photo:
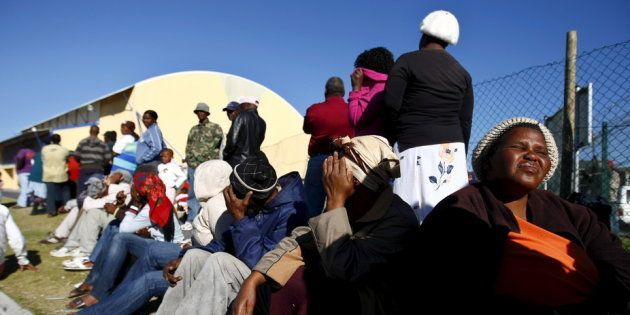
(542, 268)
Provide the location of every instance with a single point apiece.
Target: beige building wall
(174, 97)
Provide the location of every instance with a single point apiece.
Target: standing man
(55, 175)
(204, 141)
(94, 155)
(324, 122)
(246, 134)
(231, 110)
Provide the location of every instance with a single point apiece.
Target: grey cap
(202, 107)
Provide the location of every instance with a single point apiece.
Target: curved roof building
(174, 96)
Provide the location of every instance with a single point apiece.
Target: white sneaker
(186, 226)
(64, 252)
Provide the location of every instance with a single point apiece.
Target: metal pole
(568, 124)
(605, 168)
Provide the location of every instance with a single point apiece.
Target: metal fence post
(568, 124)
(605, 168)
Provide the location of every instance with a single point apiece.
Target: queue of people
(385, 222)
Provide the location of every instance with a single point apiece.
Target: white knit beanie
(442, 25)
(481, 150)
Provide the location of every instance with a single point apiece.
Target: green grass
(44, 291)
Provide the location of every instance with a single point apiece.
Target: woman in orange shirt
(504, 246)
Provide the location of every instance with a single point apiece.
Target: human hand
(338, 181)
(357, 79)
(236, 207)
(246, 299)
(28, 267)
(110, 208)
(144, 232)
(169, 272)
(120, 197)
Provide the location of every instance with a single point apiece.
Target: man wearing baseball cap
(204, 142)
(231, 109)
(246, 133)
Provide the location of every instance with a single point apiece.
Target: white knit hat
(481, 150)
(442, 25)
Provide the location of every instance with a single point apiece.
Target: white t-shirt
(122, 142)
(171, 174)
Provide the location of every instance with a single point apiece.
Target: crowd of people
(386, 220)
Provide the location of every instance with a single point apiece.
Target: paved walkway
(9, 307)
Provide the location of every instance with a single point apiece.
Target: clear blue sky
(55, 55)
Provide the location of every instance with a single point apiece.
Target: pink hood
(373, 75)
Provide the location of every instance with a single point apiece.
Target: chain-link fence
(538, 92)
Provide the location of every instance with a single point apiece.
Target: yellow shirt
(54, 163)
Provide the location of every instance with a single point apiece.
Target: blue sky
(55, 55)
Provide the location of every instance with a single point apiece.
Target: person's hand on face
(237, 207)
(357, 79)
(338, 181)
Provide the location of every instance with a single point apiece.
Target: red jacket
(325, 122)
(73, 168)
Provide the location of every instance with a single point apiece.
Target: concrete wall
(174, 97)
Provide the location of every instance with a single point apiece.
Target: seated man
(10, 233)
(264, 208)
(353, 258)
(84, 235)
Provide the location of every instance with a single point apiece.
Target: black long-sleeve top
(429, 100)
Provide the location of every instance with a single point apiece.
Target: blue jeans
(314, 186)
(57, 194)
(111, 261)
(131, 296)
(143, 281)
(106, 237)
(193, 204)
(25, 189)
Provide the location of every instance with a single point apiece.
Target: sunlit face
(166, 157)
(147, 120)
(201, 115)
(520, 161)
(124, 129)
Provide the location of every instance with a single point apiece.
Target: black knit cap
(255, 174)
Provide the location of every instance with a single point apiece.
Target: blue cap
(231, 106)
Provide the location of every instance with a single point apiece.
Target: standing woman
(151, 142)
(429, 99)
(367, 99)
(129, 136)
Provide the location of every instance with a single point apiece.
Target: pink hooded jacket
(366, 104)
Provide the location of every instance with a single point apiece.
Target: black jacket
(462, 247)
(245, 137)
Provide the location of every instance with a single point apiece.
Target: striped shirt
(93, 153)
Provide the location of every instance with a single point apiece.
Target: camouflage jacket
(204, 141)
